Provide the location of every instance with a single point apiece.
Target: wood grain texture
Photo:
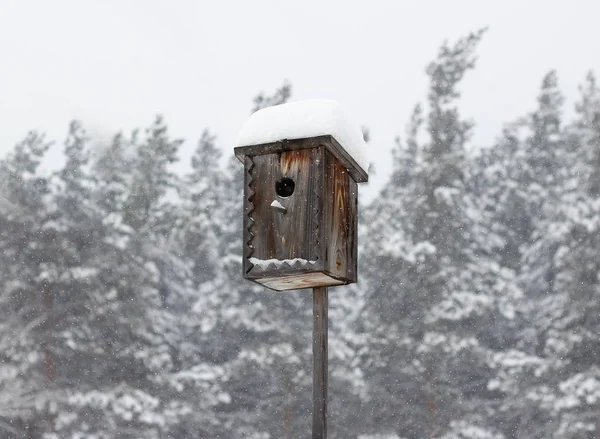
(298, 281)
(340, 221)
(319, 221)
(281, 146)
(358, 174)
(320, 362)
(248, 222)
(353, 233)
(295, 233)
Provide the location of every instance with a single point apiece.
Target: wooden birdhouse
(302, 163)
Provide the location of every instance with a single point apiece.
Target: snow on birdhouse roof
(304, 119)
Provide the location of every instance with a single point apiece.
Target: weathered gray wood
(298, 281)
(295, 229)
(248, 222)
(263, 179)
(295, 233)
(282, 145)
(358, 174)
(320, 362)
(318, 222)
(353, 233)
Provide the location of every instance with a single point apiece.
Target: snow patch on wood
(264, 263)
(276, 205)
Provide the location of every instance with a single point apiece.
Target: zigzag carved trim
(316, 203)
(249, 208)
(259, 268)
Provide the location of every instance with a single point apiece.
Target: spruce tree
(432, 285)
(25, 387)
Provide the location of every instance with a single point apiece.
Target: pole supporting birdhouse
(320, 362)
(302, 165)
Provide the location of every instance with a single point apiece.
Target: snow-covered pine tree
(206, 339)
(25, 388)
(280, 96)
(573, 324)
(128, 384)
(556, 380)
(269, 382)
(432, 286)
(531, 178)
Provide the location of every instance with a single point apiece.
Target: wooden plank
(340, 221)
(353, 233)
(293, 234)
(262, 186)
(294, 229)
(282, 145)
(298, 281)
(320, 362)
(358, 174)
(316, 205)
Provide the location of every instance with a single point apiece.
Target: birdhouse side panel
(341, 221)
(284, 212)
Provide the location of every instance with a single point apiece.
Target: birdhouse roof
(307, 119)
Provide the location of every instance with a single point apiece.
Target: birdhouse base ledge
(299, 281)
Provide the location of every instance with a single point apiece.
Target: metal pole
(319, 363)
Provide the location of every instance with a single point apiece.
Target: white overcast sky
(114, 64)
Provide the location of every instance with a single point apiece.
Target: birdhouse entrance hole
(285, 187)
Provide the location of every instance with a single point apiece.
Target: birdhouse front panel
(285, 192)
